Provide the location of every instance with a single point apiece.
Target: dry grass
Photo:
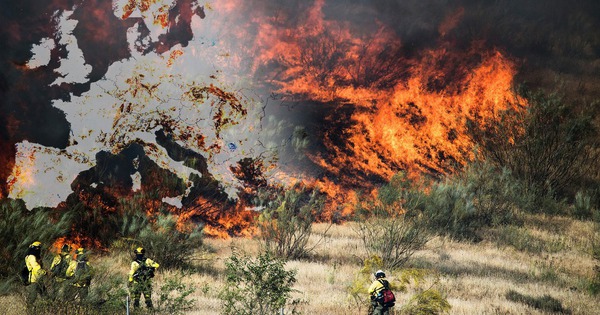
(474, 277)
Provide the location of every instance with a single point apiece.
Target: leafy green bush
(545, 303)
(173, 296)
(259, 286)
(285, 224)
(19, 228)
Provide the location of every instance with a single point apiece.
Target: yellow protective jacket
(136, 265)
(375, 287)
(71, 273)
(35, 269)
(57, 259)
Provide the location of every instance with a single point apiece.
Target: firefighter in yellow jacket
(60, 263)
(33, 261)
(377, 286)
(58, 270)
(79, 274)
(140, 277)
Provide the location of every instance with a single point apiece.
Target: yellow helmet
(80, 251)
(35, 244)
(139, 250)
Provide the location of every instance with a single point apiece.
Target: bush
(583, 207)
(258, 286)
(389, 226)
(173, 296)
(482, 196)
(19, 228)
(549, 144)
(170, 244)
(285, 224)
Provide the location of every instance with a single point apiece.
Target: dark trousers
(33, 290)
(378, 309)
(142, 288)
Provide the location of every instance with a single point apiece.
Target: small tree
(388, 228)
(258, 286)
(285, 224)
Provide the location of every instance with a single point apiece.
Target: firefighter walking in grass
(140, 277)
(79, 274)
(58, 269)
(382, 298)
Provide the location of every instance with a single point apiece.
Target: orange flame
(22, 173)
(408, 115)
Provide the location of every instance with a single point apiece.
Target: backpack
(385, 296)
(144, 272)
(60, 269)
(24, 276)
(82, 274)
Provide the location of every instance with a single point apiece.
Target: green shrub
(19, 228)
(170, 245)
(480, 197)
(583, 207)
(259, 286)
(285, 224)
(545, 303)
(174, 296)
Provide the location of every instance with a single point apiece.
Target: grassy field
(547, 256)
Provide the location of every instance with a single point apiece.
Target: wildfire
(391, 112)
(75, 242)
(24, 174)
(407, 113)
(383, 109)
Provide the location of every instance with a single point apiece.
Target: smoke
(296, 67)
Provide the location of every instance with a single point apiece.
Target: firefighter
(58, 269)
(376, 287)
(80, 275)
(33, 261)
(140, 277)
(60, 263)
